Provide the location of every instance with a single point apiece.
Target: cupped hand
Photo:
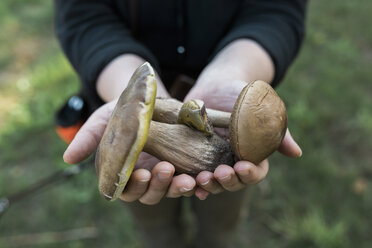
(226, 178)
(242, 174)
(151, 179)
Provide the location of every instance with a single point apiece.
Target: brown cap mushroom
(130, 130)
(257, 124)
(167, 110)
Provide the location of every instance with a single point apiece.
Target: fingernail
(297, 148)
(66, 158)
(184, 190)
(243, 169)
(300, 152)
(144, 180)
(163, 175)
(225, 178)
(202, 198)
(204, 183)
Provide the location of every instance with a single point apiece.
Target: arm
(239, 62)
(262, 43)
(277, 26)
(100, 47)
(93, 35)
(114, 78)
(219, 86)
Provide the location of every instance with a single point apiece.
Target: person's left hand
(151, 179)
(222, 96)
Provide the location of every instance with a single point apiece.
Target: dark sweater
(174, 35)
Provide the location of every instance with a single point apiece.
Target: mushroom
(130, 131)
(193, 114)
(257, 124)
(167, 110)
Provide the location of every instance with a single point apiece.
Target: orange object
(67, 134)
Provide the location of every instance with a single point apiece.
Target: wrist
(239, 63)
(241, 60)
(115, 76)
(221, 96)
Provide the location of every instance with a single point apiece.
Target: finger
(146, 161)
(226, 176)
(161, 178)
(249, 173)
(137, 185)
(182, 185)
(201, 193)
(190, 193)
(89, 135)
(289, 147)
(206, 180)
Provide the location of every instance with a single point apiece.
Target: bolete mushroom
(257, 124)
(130, 130)
(167, 110)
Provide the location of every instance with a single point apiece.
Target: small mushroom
(167, 110)
(257, 124)
(130, 130)
(193, 114)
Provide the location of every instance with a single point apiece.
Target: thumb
(87, 139)
(289, 147)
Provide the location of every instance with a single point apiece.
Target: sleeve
(277, 25)
(92, 34)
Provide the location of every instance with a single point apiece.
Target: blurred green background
(323, 199)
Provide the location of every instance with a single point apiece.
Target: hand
(150, 187)
(243, 173)
(222, 97)
(151, 179)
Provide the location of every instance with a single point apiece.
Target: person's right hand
(151, 179)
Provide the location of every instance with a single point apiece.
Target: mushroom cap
(193, 114)
(126, 133)
(258, 122)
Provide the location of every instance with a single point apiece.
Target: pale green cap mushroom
(126, 133)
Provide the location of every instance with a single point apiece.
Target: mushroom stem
(257, 124)
(188, 150)
(219, 118)
(166, 110)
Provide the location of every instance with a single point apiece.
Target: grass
(320, 200)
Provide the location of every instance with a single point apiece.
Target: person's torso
(180, 33)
